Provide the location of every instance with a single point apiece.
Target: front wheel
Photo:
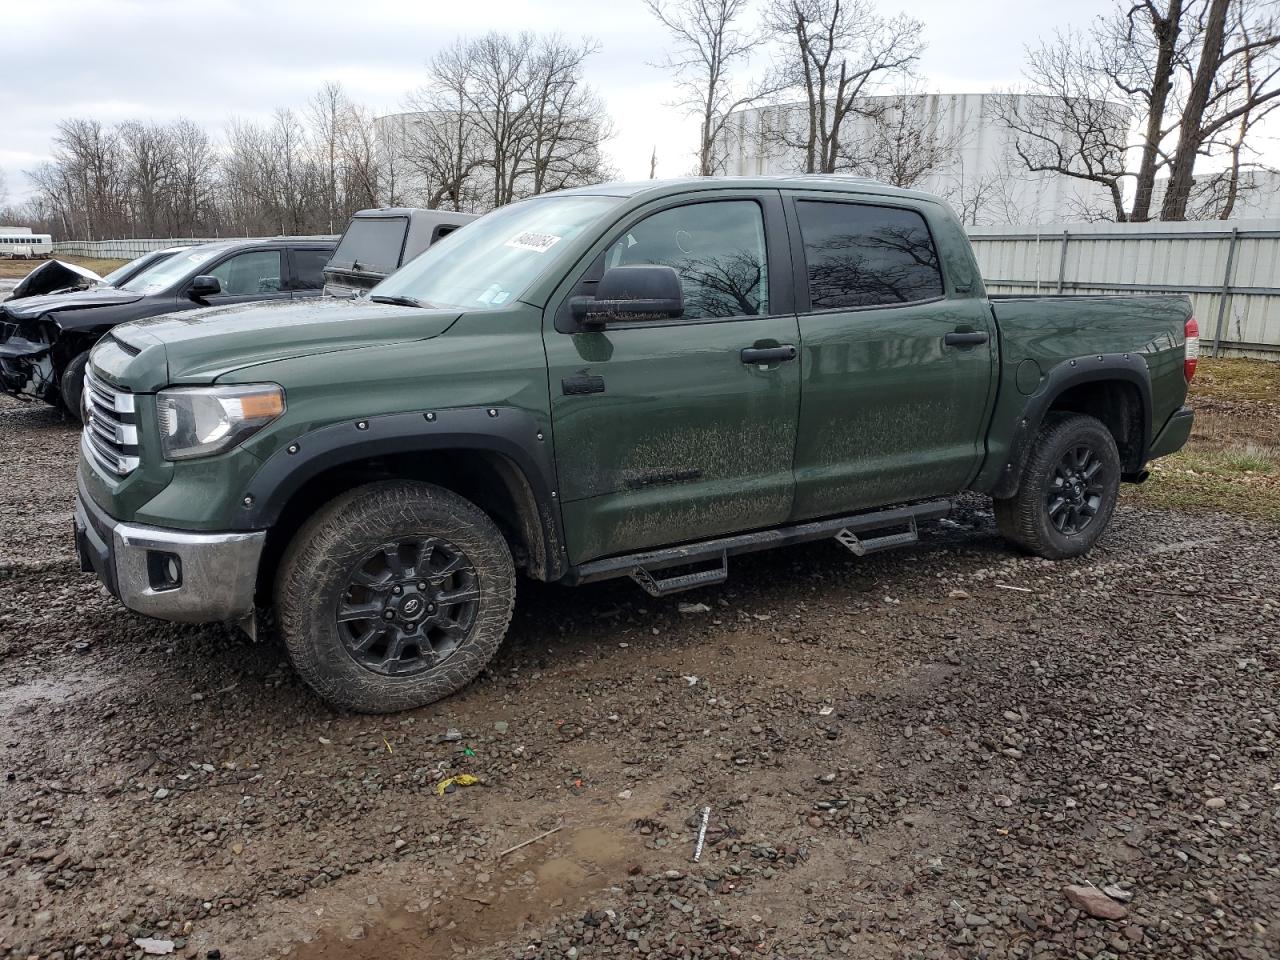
(71, 385)
(1068, 491)
(394, 595)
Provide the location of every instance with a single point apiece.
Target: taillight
(1192, 352)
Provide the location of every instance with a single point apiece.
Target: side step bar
(666, 586)
(887, 541)
(641, 566)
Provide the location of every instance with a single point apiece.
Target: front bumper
(26, 368)
(216, 573)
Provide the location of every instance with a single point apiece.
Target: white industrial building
(980, 174)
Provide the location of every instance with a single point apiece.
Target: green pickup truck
(636, 380)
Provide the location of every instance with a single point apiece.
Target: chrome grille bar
(110, 426)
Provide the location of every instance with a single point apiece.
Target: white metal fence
(128, 249)
(1231, 271)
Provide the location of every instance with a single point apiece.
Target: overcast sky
(161, 59)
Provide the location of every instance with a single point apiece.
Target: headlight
(202, 421)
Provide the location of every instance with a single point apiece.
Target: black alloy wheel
(409, 604)
(1075, 490)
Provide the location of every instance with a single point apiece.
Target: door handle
(965, 339)
(769, 354)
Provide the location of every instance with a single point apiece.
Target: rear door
(665, 431)
(897, 364)
(306, 270)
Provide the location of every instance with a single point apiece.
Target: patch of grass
(1232, 461)
(1235, 379)
(1197, 482)
(17, 269)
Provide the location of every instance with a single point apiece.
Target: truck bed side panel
(1038, 334)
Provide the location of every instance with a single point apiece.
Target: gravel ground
(911, 755)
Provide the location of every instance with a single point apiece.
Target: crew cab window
(716, 248)
(249, 273)
(860, 255)
(308, 269)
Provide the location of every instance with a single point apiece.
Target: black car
(53, 277)
(45, 341)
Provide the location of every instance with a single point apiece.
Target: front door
(897, 368)
(666, 431)
(250, 276)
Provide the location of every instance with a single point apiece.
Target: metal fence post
(1062, 260)
(1225, 295)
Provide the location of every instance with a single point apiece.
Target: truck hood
(53, 275)
(29, 307)
(201, 345)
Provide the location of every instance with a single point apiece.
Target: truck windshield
(494, 260)
(164, 274)
(371, 244)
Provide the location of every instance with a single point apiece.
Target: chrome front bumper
(216, 573)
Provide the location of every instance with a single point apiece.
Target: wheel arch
(496, 458)
(1114, 388)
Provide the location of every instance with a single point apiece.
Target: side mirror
(637, 292)
(204, 286)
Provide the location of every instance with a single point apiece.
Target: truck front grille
(110, 426)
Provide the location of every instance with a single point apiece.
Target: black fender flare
(1101, 367)
(509, 431)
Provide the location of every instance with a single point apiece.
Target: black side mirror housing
(642, 291)
(204, 286)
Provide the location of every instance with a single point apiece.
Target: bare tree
(835, 52)
(328, 112)
(194, 178)
(502, 117)
(1139, 49)
(567, 122)
(439, 139)
(149, 166)
(1068, 126)
(709, 44)
(362, 170)
(1196, 75)
(1235, 80)
(902, 145)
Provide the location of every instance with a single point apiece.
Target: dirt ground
(909, 755)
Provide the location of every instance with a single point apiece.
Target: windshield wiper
(398, 301)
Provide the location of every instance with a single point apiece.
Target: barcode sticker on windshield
(537, 242)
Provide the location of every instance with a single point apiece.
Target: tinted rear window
(308, 269)
(372, 244)
(865, 256)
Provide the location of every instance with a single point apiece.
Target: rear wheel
(394, 595)
(71, 384)
(1068, 492)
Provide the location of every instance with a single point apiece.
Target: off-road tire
(314, 578)
(1024, 519)
(71, 385)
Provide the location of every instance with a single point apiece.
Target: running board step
(861, 546)
(666, 586)
(646, 563)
